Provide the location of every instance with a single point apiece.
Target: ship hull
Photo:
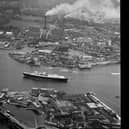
(84, 67)
(34, 77)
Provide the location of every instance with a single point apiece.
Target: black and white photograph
(60, 64)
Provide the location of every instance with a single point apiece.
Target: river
(99, 80)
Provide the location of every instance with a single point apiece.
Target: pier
(60, 110)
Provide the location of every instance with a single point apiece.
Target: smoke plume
(88, 9)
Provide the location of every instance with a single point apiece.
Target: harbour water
(99, 80)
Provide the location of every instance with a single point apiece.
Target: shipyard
(62, 42)
(68, 50)
(60, 64)
(59, 110)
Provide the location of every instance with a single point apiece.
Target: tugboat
(43, 75)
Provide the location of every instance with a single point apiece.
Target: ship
(116, 74)
(85, 66)
(44, 76)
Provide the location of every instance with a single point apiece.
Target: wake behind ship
(44, 76)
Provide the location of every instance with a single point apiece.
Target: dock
(56, 109)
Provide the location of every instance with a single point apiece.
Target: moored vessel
(85, 66)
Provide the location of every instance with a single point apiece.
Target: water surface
(99, 80)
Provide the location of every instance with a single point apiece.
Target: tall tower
(43, 29)
(62, 27)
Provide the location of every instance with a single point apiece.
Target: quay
(14, 123)
(59, 110)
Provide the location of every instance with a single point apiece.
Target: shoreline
(85, 77)
(93, 65)
(33, 100)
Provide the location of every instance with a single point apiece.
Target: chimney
(45, 22)
(62, 21)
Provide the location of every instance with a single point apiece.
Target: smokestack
(43, 29)
(63, 27)
(45, 22)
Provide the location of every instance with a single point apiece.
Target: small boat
(115, 73)
(43, 75)
(85, 66)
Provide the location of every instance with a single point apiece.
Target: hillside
(8, 10)
(43, 3)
